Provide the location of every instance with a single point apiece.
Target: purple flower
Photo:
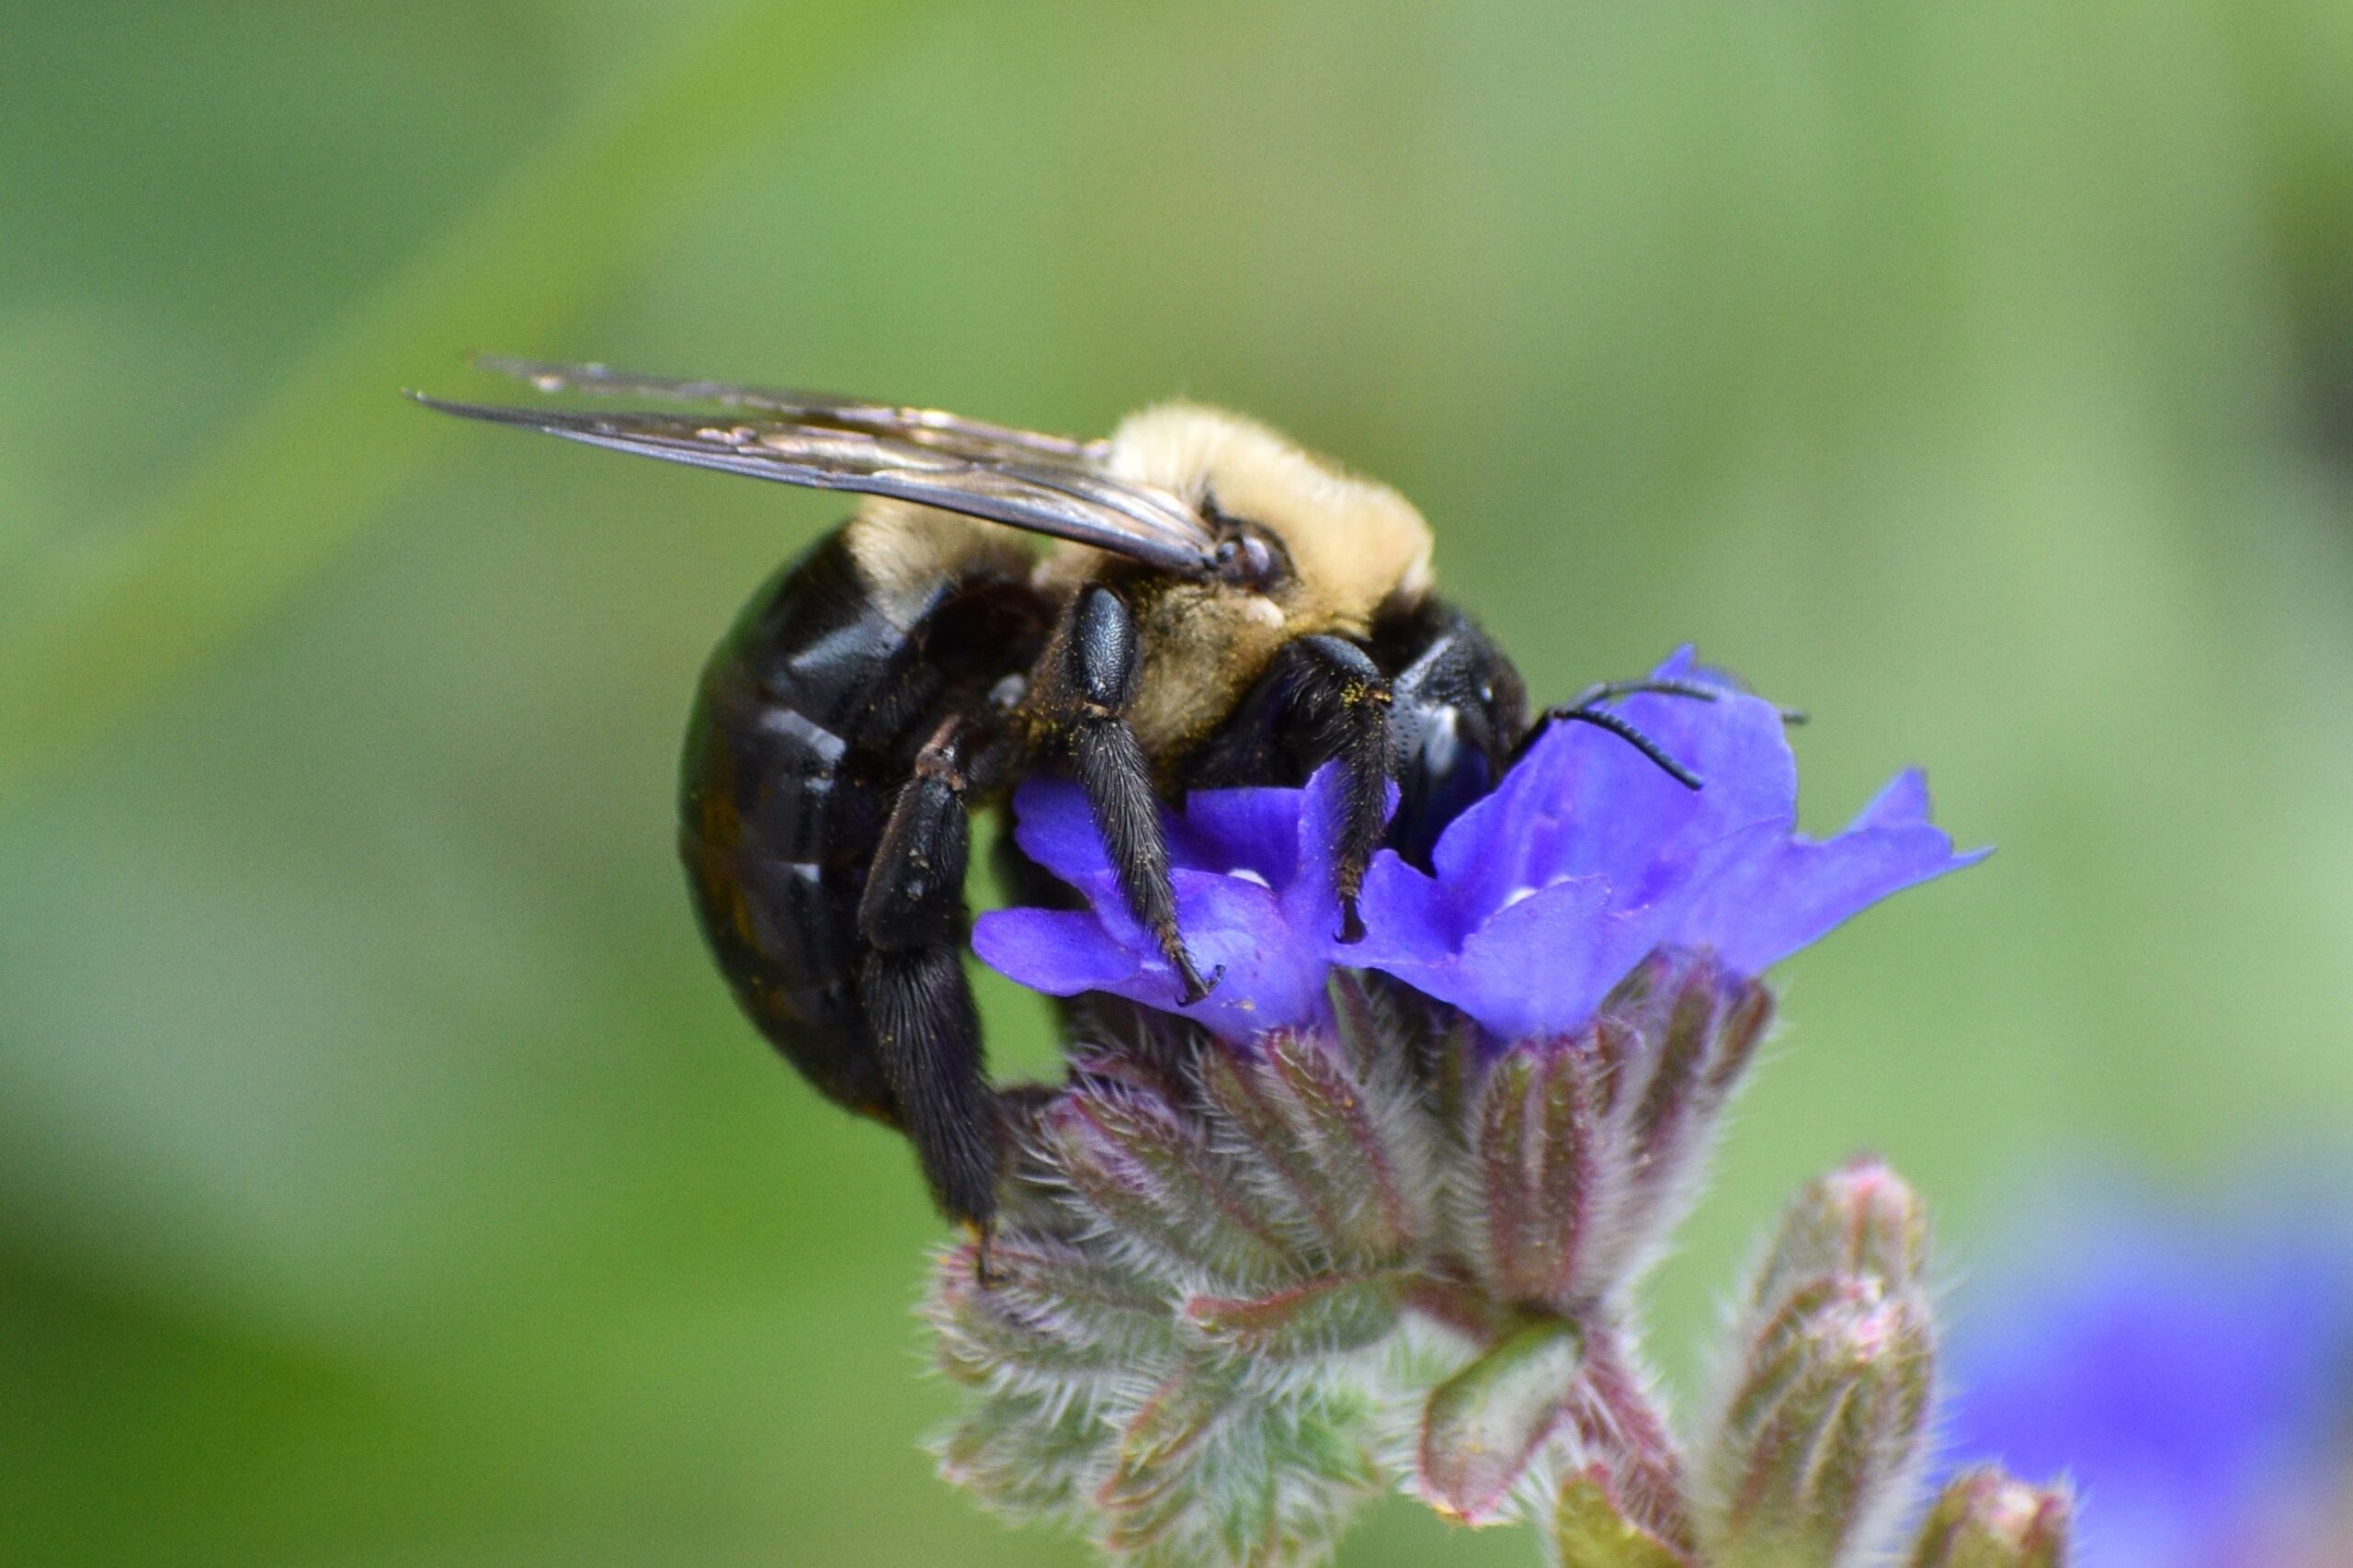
(2194, 1380)
(1584, 859)
(1587, 856)
(1255, 898)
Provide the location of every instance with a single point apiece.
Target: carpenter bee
(1192, 602)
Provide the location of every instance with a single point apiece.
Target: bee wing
(924, 426)
(1002, 483)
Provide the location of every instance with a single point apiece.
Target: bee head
(1323, 548)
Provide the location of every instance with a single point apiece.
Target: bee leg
(1322, 699)
(1118, 781)
(1343, 700)
(1089, 677)
(926, 1030)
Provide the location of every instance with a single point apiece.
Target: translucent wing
(925, 427)
(1047, 484)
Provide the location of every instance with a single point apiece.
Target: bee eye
(1245, 559)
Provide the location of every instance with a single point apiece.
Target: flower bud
(1149, 1178)
(1538, 1141)
(1050, 1316)
(1335, 1139)
(1208, 1473)
(1699, 1026)
(1861, 1221)
(1483, 1427)
(1591, 1530)
(1325, 1316)
(1175, 1339)
(1586, 1143)
(1024, 1455)
(1985, 1519)
(1821, 1431)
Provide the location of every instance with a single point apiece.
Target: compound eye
(1245, 558)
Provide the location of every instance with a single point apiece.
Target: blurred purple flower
(1584, 859)
(2195, 1381)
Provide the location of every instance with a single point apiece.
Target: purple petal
(1407, 916)
(1901, 801)
(1552, 956)
(1584, 801)
(1530, 964)
(1796, 891)
(1492, 849)
(1054, 827)
(1684, 665)
(1242, 830)
(1108, 906)
(1582, 809)
(1271, 978)
(1630, 817)
(1060, 952)
(1541, 965)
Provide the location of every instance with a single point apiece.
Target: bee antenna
(1611, 690)
(1602, 718)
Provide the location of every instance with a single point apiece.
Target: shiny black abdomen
(807, 722)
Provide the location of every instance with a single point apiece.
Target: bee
(1193, 602)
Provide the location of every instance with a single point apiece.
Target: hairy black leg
(1322, 699)
(927, 1040)
(926, 1030)
(1087, 680)
(1344, 700)
(1112, 771)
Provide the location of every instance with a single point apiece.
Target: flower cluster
(1370, 1215)
(1540, 897)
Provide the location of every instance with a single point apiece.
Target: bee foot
(1196, 989)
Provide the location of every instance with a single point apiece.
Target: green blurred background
(383, 1177)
